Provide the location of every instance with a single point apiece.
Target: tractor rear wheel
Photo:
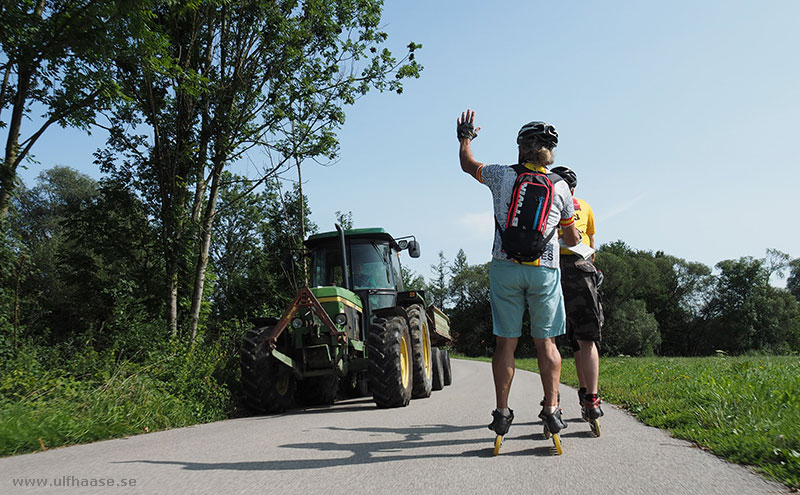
(267, 385)
(318, 390)
(448, 372)
(438, 369)
(421, 346)
(390, 366)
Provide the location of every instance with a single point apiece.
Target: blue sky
(680, 119)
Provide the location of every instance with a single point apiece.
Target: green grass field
(745, 409)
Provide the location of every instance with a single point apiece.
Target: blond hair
(535, 154)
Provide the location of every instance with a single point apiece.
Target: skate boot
(500, 425)
(591, 411)
(553, 424)
(581, 393)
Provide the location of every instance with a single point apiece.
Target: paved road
(438, 445)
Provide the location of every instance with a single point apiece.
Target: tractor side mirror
(413, 249)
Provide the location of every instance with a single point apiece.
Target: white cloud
(616, 210)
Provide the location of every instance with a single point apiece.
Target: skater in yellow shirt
(579, 280)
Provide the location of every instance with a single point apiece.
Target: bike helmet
(569, 176)
(538, 132)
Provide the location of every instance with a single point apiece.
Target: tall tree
(273, 76)
(57, 55)
(438, 287)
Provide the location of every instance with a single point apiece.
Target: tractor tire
(267, 385)
(318, 390)
(355, 385)
(448, 373)
(438, 369)
(390, 366)
(421, 347)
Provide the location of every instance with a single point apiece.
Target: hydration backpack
(523, 237)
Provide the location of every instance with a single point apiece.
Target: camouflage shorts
(581, 299)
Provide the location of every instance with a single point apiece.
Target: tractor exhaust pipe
(345, 270)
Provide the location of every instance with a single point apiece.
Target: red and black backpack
(523, 238)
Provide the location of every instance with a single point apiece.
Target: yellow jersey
(584, 221)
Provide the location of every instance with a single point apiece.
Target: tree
(438, 288)
(673, 290)
(274, 76)
(747, 313)
(631, 330)
(57, 55)
(793, 281)
(345, 219)
(471, 314)
(458, 289)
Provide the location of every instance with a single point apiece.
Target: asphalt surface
(439, 445)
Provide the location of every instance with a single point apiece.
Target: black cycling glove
(466, 130)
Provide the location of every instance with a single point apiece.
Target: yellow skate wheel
(557, 443)
(595, 426)
(497, 443)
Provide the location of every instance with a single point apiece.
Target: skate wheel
(557, 443)
(546, 432)
(595, 426)
(497, 443)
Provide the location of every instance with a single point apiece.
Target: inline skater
(519, 276)
(579, 281)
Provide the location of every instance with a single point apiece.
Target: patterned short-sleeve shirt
(500, 180)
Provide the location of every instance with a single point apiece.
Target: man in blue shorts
(513, 284)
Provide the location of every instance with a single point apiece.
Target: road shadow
(412, 439)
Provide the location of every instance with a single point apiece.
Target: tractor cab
(370, 269)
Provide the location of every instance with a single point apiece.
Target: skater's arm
(466, 132)
(570, 235)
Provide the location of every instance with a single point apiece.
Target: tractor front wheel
(318, 390)
(267, 385)
(390, 364)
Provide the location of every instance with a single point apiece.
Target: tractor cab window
(326, 268)
(371, 266)
(397, 271)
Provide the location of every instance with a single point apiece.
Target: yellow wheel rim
(405, 362)
(426, 349)
(282, 385)
(557, 443)
(497, 443)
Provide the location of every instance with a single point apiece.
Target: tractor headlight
(297, 322)
(341, 319)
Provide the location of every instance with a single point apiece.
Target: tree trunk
(8, 169)
(205, 243)
(302, 221)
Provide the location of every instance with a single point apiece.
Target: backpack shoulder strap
(519, 168)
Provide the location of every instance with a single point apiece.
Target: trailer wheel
(318, 390)
(438, 369)
(421, 345)
(390, 365)
(267, 385)
(448, 373)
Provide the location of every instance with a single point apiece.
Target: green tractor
(354, 331)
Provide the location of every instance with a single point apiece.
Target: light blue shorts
(512, 285)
